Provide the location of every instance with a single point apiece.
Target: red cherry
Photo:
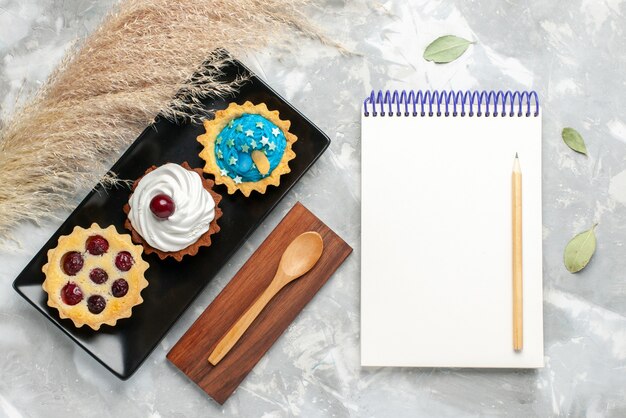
(97, 245)
(96, 304)
(124, 261)
(98, 275)
(162, 206)
(119, 288)
(72, 263)
(71, 293)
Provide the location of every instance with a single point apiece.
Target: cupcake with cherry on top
(173, 211)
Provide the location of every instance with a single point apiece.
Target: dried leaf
(574, 140)
(579, 250)
(446, 49)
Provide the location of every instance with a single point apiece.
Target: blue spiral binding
(432, 102)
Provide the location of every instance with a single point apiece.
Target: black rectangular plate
(173, 285)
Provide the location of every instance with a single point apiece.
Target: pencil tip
(516, 167)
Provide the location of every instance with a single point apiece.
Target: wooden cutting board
(191, 352)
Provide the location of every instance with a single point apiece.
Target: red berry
(124, 261)
(162, 206)
(72, 263)
(71, 294)
(97, 245)
(119, 288)
(96, 304)
(98, 275)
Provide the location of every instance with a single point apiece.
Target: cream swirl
(195, 208)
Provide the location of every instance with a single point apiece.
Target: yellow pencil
(516, 187)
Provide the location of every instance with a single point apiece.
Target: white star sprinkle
(245, 148)
(237, 180)
(264, 140)
(260, 125)
(219, 154)
(253, 143)
(275, 131)
(272, 146)
(223, 172)
(249, 132)
(232, 161)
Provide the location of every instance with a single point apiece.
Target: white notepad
(436, 275)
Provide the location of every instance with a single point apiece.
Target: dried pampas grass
(105, 92)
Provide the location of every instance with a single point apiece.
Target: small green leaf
(446, 49)
(579, 250)
(574, 140)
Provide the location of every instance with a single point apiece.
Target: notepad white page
(436, 275)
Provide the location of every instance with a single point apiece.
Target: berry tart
(247, 147)
(95, 276)
(173, 211)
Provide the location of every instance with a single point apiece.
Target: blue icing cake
(239, 138)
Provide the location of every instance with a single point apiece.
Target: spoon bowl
(301, 255)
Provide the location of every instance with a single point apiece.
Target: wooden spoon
(299, 257)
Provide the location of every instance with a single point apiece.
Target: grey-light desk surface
(572, 53)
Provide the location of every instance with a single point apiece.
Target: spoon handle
(239, 328)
